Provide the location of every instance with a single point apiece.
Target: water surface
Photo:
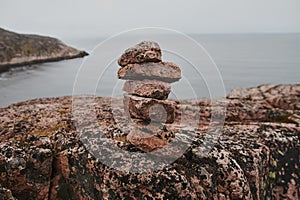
(243, 61)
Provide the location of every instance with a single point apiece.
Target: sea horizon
(244, 60)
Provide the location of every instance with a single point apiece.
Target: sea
(212, 65)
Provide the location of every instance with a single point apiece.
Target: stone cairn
(148, 84)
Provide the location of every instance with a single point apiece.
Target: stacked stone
(148, 84)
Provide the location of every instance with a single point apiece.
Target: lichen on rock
(255, 157)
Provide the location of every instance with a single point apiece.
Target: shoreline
(26, 49)
(7, 67)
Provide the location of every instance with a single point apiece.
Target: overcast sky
(74, 18)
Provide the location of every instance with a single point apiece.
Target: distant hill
(25, 49)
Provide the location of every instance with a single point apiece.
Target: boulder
(145, 51)
(145, 139)
(162, 71)
(255, 156)
(148, 88)
(150, 110)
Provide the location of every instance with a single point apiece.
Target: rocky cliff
(23, 49)
(256, 154)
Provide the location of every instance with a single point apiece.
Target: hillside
(24, 49)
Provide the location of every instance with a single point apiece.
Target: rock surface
(162, 71)
(6, 194)
(148, 88)
(26, 163)
(23, 49)
(256, 155)
(145, 51)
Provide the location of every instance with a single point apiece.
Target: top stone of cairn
(145, 51)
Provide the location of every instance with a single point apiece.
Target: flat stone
(148, 88)
(145, 139)
(145, 51)
(162, 71)
(150, 110)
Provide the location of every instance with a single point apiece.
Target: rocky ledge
(23, 49)
(255, 156)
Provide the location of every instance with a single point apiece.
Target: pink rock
(148, 88)
(151, 110)
(163, 71)
(145, 139)
(145, 51)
